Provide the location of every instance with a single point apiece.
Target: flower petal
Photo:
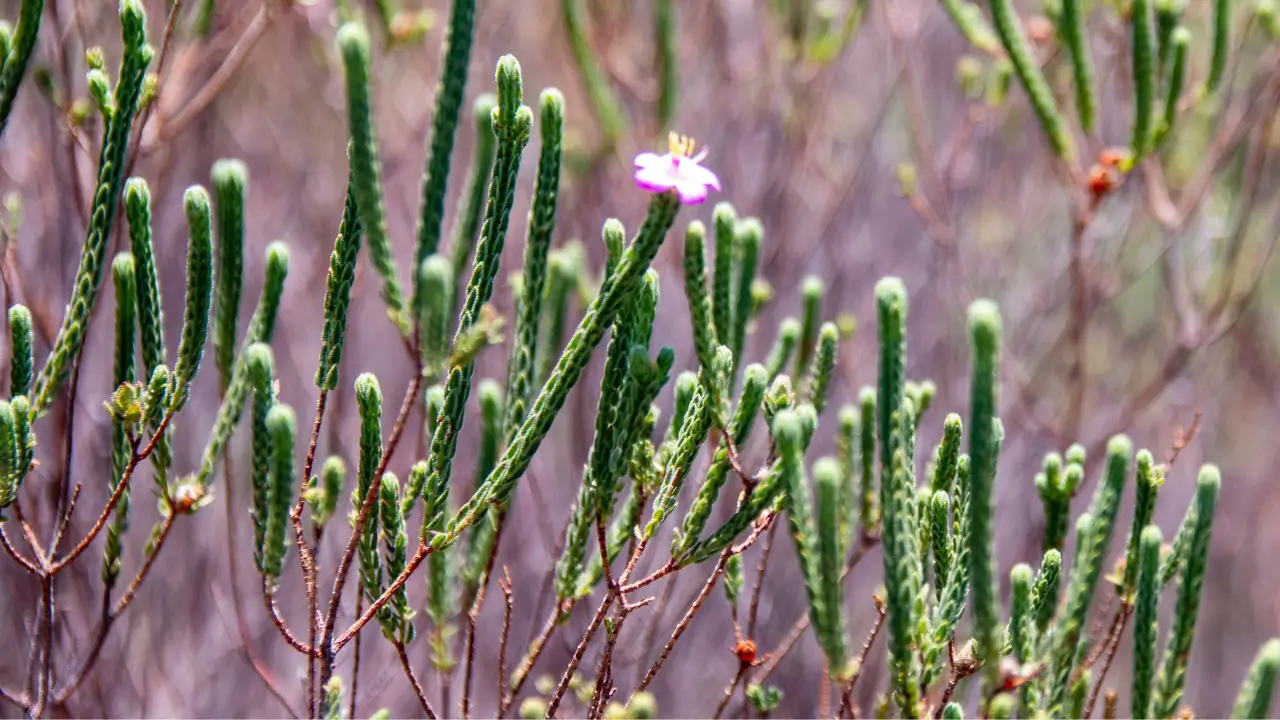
(654, 179)
(648, 159)
(690, 192)
(697, 173)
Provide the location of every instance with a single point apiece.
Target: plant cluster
(937, 531)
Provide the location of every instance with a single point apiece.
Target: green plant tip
(551, 100)
(230, 173)
(353, 40)
(985, 324)
(891, 290)
(196, 203)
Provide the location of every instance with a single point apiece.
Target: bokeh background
(868, 158)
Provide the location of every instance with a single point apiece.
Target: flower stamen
(680, 145)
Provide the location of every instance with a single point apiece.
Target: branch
(121, 486)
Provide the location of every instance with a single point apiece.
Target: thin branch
(121, 486)
(536, 647)
(1112, 644)
(328, 648)
(13, 553)
(683, 624)
(355, 664)
(413, 680)
(269, 601)
(477, 604)
(846, 701)
(574, 661)
(505, 584)
(171, 127)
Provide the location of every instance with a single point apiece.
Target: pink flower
(678, 170)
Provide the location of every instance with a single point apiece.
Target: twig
(62, 514)
(255, 663)
(1077, 324)
(18, 699)
(824, 692)
(505, 584)
(753, 609)
(574, 661)
(109, 616)
(13, 553)
(1183, 437)
(169, 128)
(476, 605)
(729, 691)
(355, 663)
(536, 647)
(651, 631)
(866, 542)
(1113, 643)
(328, 647)
(269, 601)
(339, 642)
(306, 559)
(846, 702)
(413, 680)
(121, 486)
(683, 624)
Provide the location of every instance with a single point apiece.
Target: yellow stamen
(680, 145)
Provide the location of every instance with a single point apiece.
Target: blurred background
(870, 138)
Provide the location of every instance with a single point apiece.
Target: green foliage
(435, 321)
(616, 290)
(22, 360)
(195, 316)
(332, 476)
(261, 327)
(8, 443)
(744, 416)
(822, 370)
(747, 236)
(608, 112)
(828, 564)
(968, 19)
(693, 433)
(666, 46)
(1255, 694)
(1177, 650)
(537, 246)
(137, 55)
(1144, 76)
(1181, 39)
(444, 119)
(476, 189)
(868, 510)
(511, 124)
(1093, 537)
(1145, 619)
(1221, 44)
(337, 294)
(261, 368)
(1009, 29)
(1071, 26)
(397, 616)
(137, 202)
(984, 333)
(230, 184)
(369, 402)
(122, 273)
(811, 292)
(700, 316)
(281, 427)
(13, 64)
(366, 181)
